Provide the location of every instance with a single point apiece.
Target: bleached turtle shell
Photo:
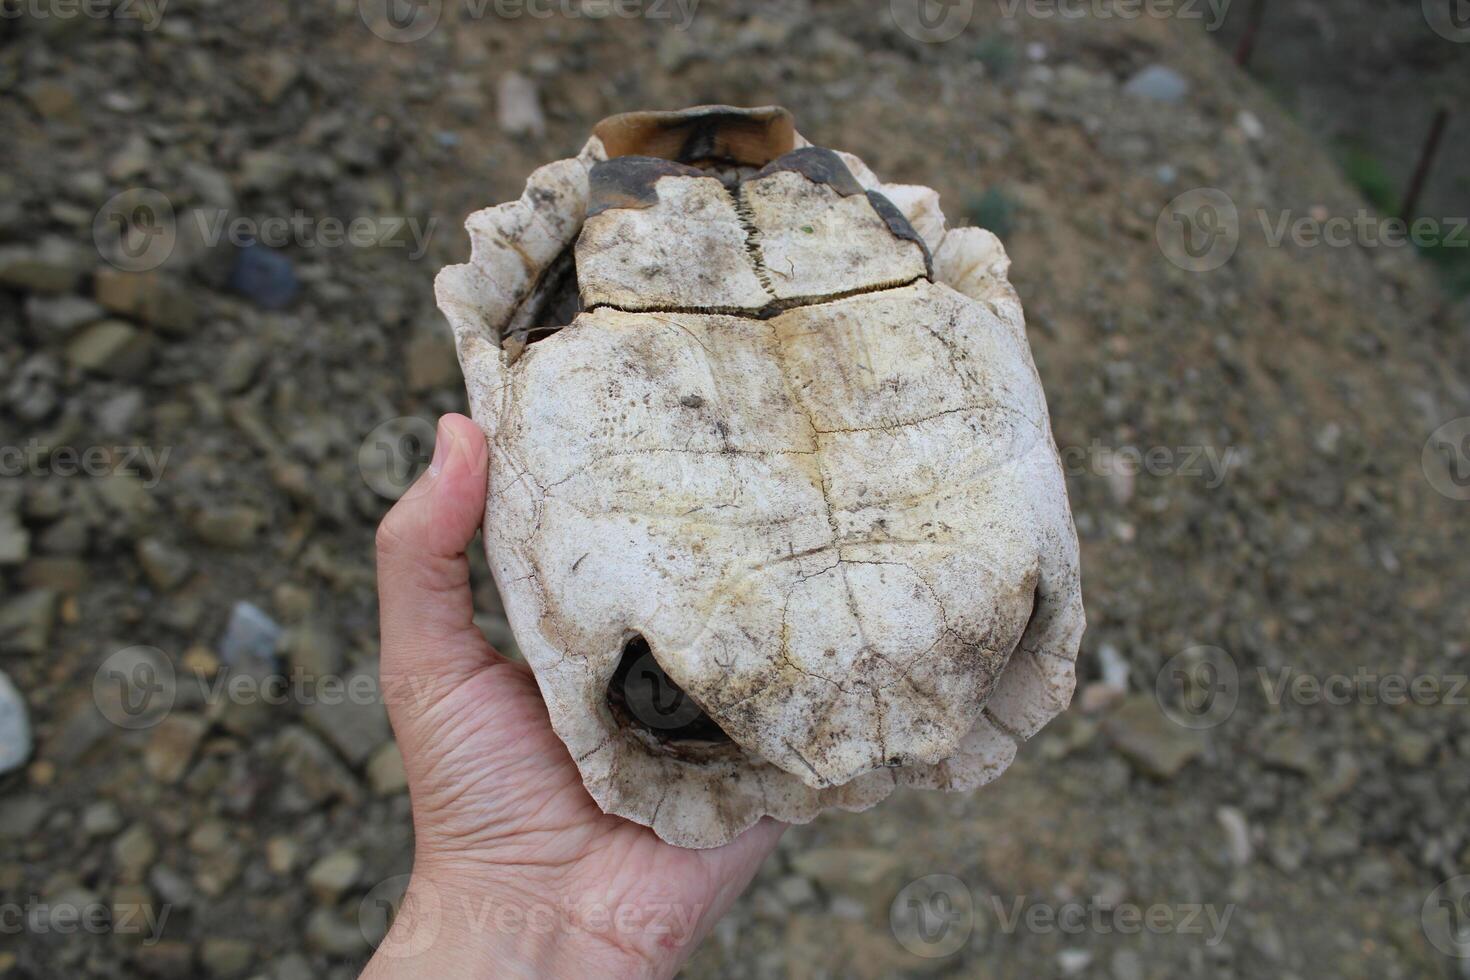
(774, 503)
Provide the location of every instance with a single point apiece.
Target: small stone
(200, 661)
(148, 297)
(67, 576)
(26, 621)
(282, 854)
(333, 875)
(314, 649)
(56, 317)
(1413, 748)
(293, 966)
(1127, 965)
(269, 74)
(1238, 844)
(165, 566)
(42, 772)
(1250, 125)
(1072, 962)
(168, 958)
(1155, 746)
(133, 851)
(1159, 83)
(265, 277)
(101, 819)
(32, 392)
(839, 867)
(385, 770)
(212, 186)
(1291, 750)
(238, 367)
(113, 348)
(229, 525)
(265, 170)
(53, 101)
(53, 266)
(794, 890)
(250, 637)
(351, 716)
(519, 106)
(21, 816)
(15, 540)
(134, 158)
(116, 414)
(329, 933)
(210, 837)
(226, 957)
(431, 362)
(171, 747)
(15, 727)
(315, 770)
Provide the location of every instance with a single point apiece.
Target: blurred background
(1239, 232)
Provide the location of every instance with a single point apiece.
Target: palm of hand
(501, 817)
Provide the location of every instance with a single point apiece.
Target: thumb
(425, 605)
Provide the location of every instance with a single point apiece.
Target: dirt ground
(1266, 770)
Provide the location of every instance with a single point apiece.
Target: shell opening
(710, 137)
(647, 703)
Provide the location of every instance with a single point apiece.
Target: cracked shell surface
(774, 507)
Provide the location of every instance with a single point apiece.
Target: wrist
(453, 926)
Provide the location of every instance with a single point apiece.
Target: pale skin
(516, 870)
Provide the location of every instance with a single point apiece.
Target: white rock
(774, 502)
(15, 727)
(1237, 835)
(519, 105)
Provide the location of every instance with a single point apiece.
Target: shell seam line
(746, 217)
(770, 310)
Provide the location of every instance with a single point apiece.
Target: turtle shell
(774, 503)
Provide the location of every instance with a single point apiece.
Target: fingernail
(443, 437)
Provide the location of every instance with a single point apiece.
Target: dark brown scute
(900, 226)
(704, 134)
(817, 164)
(627, 182)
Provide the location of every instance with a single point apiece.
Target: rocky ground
(198, 448)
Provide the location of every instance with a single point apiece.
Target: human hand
(516, 870)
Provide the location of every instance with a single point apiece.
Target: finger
(425, 604)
